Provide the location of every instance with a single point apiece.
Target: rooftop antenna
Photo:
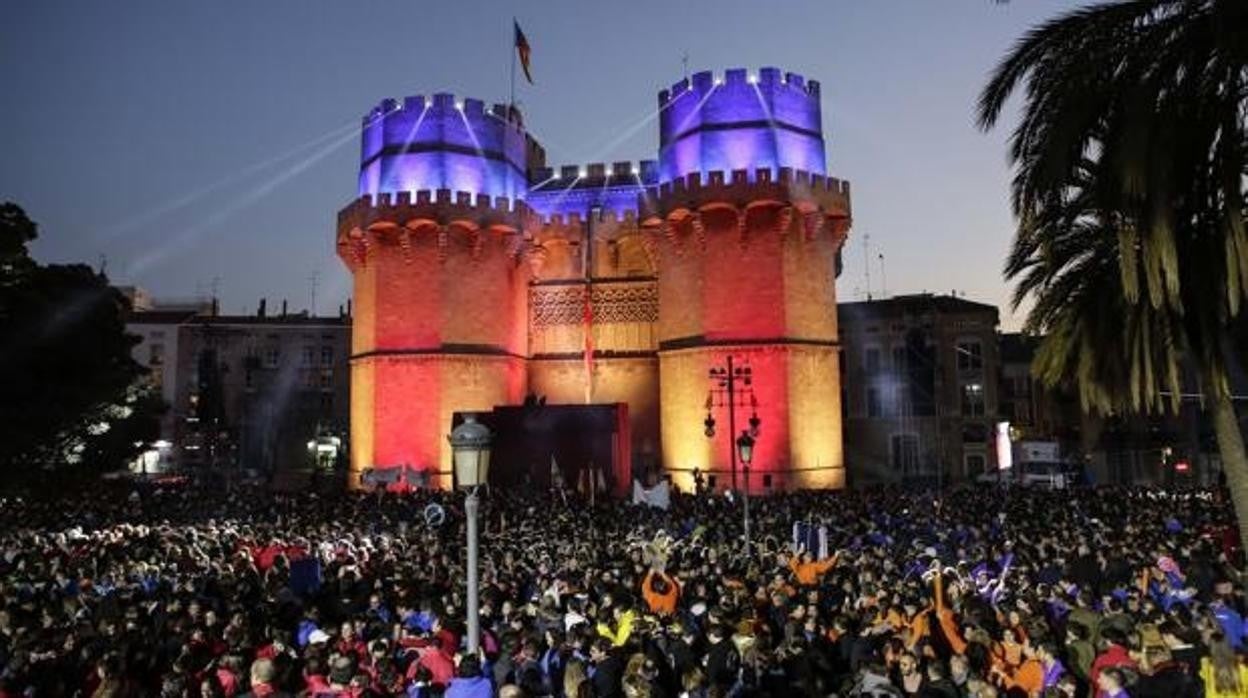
(215, 303)
(103, 265)
(883, 278)
(312, 282)
(684, 64)
(866, 260)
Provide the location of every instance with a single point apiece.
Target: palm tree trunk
(1234, 464)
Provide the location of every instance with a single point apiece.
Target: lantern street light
(470, 452)
(732, 387)
(745, 449)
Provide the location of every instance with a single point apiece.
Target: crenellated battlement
(426, 197)
(743, 190)
(368, 217)
(473, 109)
(696, 182)
(766, 78)
(623, 173)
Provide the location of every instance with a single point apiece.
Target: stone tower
(750, 232)
(482, 275)
(433, 243)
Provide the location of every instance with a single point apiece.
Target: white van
(1051, 476)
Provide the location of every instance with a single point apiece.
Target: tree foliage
(1130, 165)
(73, 396)
(1129, 162)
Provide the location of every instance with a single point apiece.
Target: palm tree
(1129, 190)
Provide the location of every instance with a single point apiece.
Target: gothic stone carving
(565, 305)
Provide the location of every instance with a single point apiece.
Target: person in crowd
(1111, 683)
(1223, 673)
(469, 681)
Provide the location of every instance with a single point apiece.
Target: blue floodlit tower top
(742, 121)
(707, 123)
(426, 144)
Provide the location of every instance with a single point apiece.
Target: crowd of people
(179, 591)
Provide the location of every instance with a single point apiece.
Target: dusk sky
(187, 141)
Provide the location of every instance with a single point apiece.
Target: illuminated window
(973, 400)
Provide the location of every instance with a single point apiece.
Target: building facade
(921, 388)
(481, 276)
(251, 391)
(1174, 448)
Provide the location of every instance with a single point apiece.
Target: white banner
(659, 496)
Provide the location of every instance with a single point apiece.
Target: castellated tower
(481, 276)
(434, 246)
(750, 232)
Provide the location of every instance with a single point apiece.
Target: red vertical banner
(622, 469)
(587, 322)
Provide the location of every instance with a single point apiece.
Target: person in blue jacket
(469, 681)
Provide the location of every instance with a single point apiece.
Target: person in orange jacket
(807, 570)
(945, 616)
(661, 592)
(1025, 677)
(917, 623)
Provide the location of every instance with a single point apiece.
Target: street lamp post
(745, 449)
(732, 386)
(470, 449)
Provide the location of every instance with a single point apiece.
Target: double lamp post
(732, 386)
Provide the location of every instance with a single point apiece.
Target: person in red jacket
(439, 662)
(1114, 655)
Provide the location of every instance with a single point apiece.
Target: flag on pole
(522, 48)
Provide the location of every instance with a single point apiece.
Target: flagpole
(511, 100)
